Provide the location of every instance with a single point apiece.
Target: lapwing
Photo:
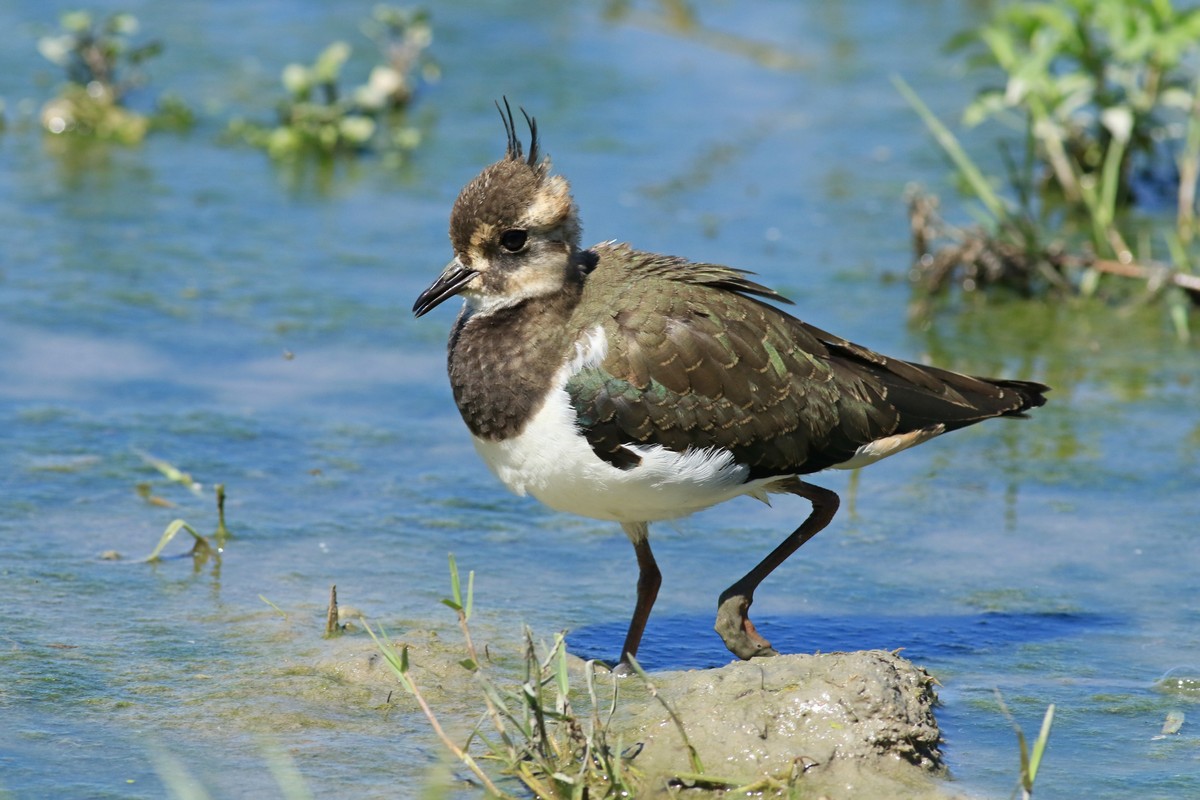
(624, 385)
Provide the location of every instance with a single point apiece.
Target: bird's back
(698, 358)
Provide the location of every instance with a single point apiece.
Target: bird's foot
(735, 627)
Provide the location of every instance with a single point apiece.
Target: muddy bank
(836, 725)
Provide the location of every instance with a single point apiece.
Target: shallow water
(250, 324)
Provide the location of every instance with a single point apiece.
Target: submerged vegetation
(102, 65)
(1105, 104)
(204, 548)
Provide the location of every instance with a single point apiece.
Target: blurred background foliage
(1097, 103)
(1101, 99)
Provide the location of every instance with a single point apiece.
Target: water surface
(193, 302)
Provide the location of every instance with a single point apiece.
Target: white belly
(553, 462)
(550, 460)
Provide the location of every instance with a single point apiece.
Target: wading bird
(630, 386)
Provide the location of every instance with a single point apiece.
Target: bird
(636, 387)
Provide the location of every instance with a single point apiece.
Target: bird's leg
(733, 624)
(649, 579)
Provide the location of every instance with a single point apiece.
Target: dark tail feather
(952, 399)
(931, 395)
(1032, 394)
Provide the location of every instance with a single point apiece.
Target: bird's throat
(502, 363)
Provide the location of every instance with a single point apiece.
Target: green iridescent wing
(695, 360)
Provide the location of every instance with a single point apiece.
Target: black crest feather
(514, 149)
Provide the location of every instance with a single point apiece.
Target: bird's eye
(513, 240)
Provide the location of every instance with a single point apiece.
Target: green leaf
(297, 80)
(560, 669)
(1039, 746)
(1179, 307)
(470, 595)
(123, 24)
(76, 21)
(1001, 45)
(329, 63)
(988, 103)
(455, 585)
(169, 534)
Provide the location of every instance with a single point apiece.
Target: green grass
(1031, 757)
(531, 731)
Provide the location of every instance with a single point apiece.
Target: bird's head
(514, 228)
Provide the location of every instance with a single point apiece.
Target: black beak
(452, 281)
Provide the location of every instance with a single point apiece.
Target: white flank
(552, 461)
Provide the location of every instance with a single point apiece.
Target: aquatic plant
(1093, 82)
(102, 65)
(203, 549)
(1108, 116)
(537, 737)
(318, 116)
(1031, 757)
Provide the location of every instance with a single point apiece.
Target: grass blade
(949, 143)
(169, 534)
(455, 599)
(1039, 746)
(693, 755)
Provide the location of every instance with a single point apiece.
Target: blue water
(250, 323)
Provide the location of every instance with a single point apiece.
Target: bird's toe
(738, 632)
